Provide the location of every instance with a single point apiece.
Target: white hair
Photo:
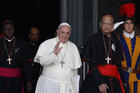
(64, 24)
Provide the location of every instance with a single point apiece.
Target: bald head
(107, 17)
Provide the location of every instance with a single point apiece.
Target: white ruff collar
(129, 35)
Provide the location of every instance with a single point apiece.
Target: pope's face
(63, 33)
(129, 26)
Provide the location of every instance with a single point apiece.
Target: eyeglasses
(109, 24)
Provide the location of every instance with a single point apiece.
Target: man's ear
(70, 32)
(112, 27)
(57, 32)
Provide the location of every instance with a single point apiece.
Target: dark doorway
(137, 15)
(44, 14)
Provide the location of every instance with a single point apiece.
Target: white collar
(129, 35)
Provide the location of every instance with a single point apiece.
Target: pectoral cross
(62, 63)
(9, 60)
(108, 59)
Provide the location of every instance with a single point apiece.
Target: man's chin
(63, 41)
(33, 41)
(107, 32)
(129, 32)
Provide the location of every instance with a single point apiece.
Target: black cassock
(94, 52)
(11, 75)
(36, 67)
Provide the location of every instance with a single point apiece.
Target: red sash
(10, 72)
(111, 71)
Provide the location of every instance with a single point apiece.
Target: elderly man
(60, 60)
(103, 51)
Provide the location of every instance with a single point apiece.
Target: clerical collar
(33, 44)
(107, 35)
(9, 40)
(129, 35)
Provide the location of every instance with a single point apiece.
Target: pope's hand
(57, 49)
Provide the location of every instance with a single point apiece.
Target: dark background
(137, 14)
(112, 7)
(44, 14)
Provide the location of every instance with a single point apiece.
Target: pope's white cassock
(57, 77)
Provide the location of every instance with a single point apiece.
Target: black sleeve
(119, 51)
(96, 74)
(120, 69)
(90, 52)
(27, 64)
(86, 52)
(27, 71)
(119, 57)
(119, 54)
(118, 30)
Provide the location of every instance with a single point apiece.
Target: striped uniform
(131, 51)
